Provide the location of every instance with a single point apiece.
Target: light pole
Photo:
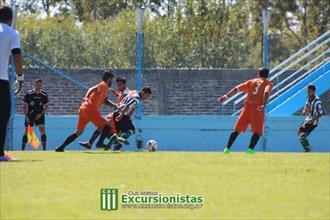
(265, 21)
(139, 54)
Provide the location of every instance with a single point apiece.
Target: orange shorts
(87, 115)
(250, 115)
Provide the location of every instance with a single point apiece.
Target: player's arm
(228, 95)
(108, 102)
(114, 92)
(267, 93)
(18, 62)
(94, 89)
(306, 110)
(244, 87)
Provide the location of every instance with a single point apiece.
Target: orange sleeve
(244, 87)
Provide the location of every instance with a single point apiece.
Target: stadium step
(294, 98)
(294, 102)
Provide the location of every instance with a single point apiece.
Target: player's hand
(222, 98)
(18, 84)
(27, 119)
(113, 91)
(310, 121)
(261, 108)
(38, 116)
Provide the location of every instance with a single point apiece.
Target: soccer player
(34, 108)
(122, 89)
(121, 118)
(89, 109)
(120, 94)
(258, 91)
(314, 110)
(9, 44)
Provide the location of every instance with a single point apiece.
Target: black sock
(254, 140)
(24, 140)
(69, 140)
(104, 134)
(94, 136)
(232, 138)
(43, 141)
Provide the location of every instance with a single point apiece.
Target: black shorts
(40, 121)
(125, 124)
(5, 103)
(307, 128)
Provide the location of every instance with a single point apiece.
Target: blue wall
(192, 133)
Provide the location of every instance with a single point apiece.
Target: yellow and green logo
(109, 199)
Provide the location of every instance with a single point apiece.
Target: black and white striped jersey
(132, 100)
(316, 109)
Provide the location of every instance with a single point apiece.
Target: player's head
(6, 15)
(38, 84)
(145, 93)
(263, 72)
(107, 77)
(311, 90)
(121, 83)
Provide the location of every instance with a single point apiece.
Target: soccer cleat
(7, 158)
(122, 141)
(250, 151)
(226, 150)
(307, 149)
(116, 138)
(85, 144)
(101, 146)
(59, 150)
(117, 147)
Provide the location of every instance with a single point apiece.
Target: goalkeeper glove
(18, 84)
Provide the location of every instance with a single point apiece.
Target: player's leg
(41, 125)
(43, 136)
(240, 126)
(24, 138)
(303, 131)
(4, 116)
(3, 132)
(257, 127)
(82, 122)
(70, 139)
(89, 143)
(125, 135)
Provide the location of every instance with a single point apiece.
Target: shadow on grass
(101, 152)
(18, 160)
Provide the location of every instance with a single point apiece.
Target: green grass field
(49, 185)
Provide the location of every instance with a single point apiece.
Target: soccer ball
(151, 146)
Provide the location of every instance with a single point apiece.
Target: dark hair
(6, 13)
(312, 87)
(107, 74)
(146, 90)
(263, 72)
(37, 80)
(121, 79)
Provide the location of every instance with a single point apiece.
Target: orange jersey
(255, 89)
(96, 99)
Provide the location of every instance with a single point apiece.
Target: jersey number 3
(256, 88)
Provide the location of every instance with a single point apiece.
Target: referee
(9, 44)
(34, 108)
